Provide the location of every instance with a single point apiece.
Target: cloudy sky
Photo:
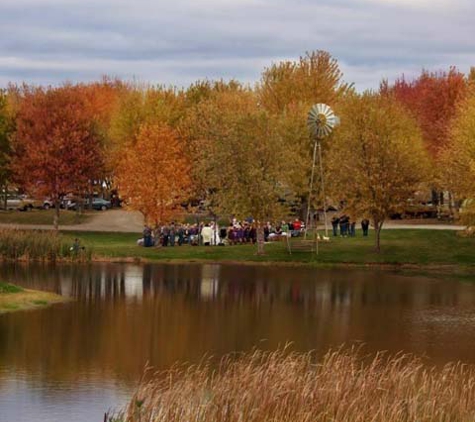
(177, 42)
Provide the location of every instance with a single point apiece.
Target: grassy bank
(279, 386)
(413, 247)
(42, 217)
(14, 298)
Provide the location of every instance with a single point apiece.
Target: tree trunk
(77, 216)
(56, 214)
(5, 197)
(260, 239)
(378, 225)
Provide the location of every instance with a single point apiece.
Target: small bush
(9, 288)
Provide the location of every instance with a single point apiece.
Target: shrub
(7, 288)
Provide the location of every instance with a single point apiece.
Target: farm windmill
(321, 121)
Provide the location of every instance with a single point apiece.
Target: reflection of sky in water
(57, 402)
(448, 320)
(73, 361)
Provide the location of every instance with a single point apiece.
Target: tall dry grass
(291, 387)
(36, 245)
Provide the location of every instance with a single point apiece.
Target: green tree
(458, 158)
(239, 158)
(377, 158)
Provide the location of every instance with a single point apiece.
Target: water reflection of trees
(126, 315)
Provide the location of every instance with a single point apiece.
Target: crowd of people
(347, 226)
(238, 232)
(207, 234)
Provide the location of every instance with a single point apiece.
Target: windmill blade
(321, 120)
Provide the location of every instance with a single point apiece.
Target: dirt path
(102, 221)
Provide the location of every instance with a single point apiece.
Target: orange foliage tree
(102, 100)
(153, 173)
(56, 145)
(432, 99)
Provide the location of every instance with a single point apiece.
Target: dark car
(99, 204)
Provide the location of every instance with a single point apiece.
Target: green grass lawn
(41, 217)
(419, 247)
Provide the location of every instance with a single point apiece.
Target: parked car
(64, 204)
(99, 204)
(416, 210)
(14, 201)
(21, 202)
(47, 204)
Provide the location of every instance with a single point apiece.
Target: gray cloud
(49, 41)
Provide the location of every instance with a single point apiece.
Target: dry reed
(36, 245)
(291, 387)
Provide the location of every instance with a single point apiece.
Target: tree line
(242, 150)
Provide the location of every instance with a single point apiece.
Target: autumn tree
(315, 77)
(288, 90)
(209, 118)
(56, 145)
(376, 159)
(153, 173)
(239, 158)
(432, 99)
(144, 105)
(6, 130)
(102, 99)
(458, 157)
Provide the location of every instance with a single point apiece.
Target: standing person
(207, 234)
(231, 234)
(181, 234)
(147, 236)
(253, 233)
(172, 233)
(165, 234)
(239, 233)
(335, 222)
(267, 231)
(341, 222)
(192, 235)
(353, 228)
(365, 226)
(223, 233)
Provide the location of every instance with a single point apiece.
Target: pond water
(72, 362)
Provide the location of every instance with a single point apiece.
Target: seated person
(297, 225)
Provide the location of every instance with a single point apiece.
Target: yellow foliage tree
(288, 90)
(153, 173)
(376, 159)
(315, 77)
(458, 158)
